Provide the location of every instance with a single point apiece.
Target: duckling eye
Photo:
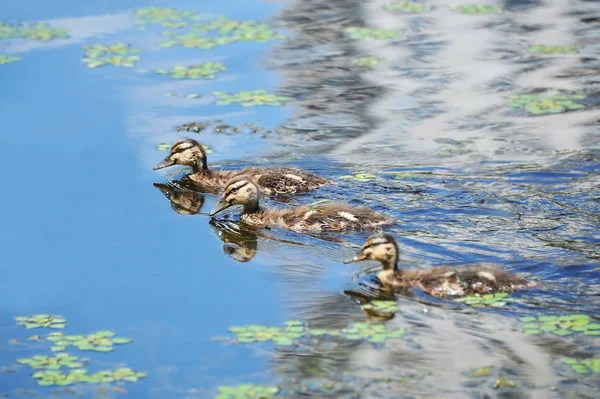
(234, 189)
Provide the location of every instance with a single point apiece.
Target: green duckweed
(367, 62)
(279, 336)
(583, 366)
(478, 9)
(41, 320)
(6, 59)
(376, 333)
(361, 177)
(53, 377)
(382, 306)
(560, 325)
(407, 7)
(548, 49)
(357, 33)
(39, 31)
(208, 70)
(222, 31)
(498, 299)
(118, 54)
(249, 98)
(51, 362)
(100, 341)
(166, 17)
(249, 391)
(539, 104)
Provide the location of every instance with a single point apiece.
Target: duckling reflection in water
(238, 244)
(318, 218)
(271, 181)
(184, 202)
(482, 278)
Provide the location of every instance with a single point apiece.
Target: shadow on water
(431, 132)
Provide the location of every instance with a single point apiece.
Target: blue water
(87, 236)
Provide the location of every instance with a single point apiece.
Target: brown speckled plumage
(271, 181)
(318, 218)
(482, 278)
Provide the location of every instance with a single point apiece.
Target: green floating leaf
(539, 104)
(5, 59)
(479, 9)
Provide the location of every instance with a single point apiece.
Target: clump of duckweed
(208, 70)
(382, 306)
(362, 177)
(249, 98)
(539, 104)
(560, 325)
(480, 372)
(188, 95)
(279, 336)
(100, 341)
(583, 366)
(249, 391)
(195, 127)
(5, 59)
(375, 333)
(223, 31)
(40, 31)
(479, 9)
(118, 54)
(367, 62)
(498, 299)
(52, 377)
(357, 33)
(168, 146)
(407, 7)
(41, 320)
(167, 17)
(547, 49)
(52, 362)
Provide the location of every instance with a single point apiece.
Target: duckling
(482, 278)
(279, 180)
(243, 191)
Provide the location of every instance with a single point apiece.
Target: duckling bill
(243, 191)
(271, 181)
(483, 278)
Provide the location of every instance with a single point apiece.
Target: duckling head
(380, 247)
(238, 191)
(186, 152)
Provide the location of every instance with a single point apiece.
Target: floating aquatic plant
(498, 299)
(118, 54)
(52, 377)
(5, 59)
(367, 62)
(167, 17)
(407, 6)
(249, 98)
(168, 146)
(195, 127)
(41, 320)
(279, 336)
(480, 372)
(100, 341)
(479, 9)
(208, 70)
(375, 333)
(560, 325)
(223, 31)
(189, 95)
(382, 306)
(538, 104)
(357, 33)
(546, 49)
(583, 366)
(40, 31)
(52, 362)
(249, 391)
(362, 177)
